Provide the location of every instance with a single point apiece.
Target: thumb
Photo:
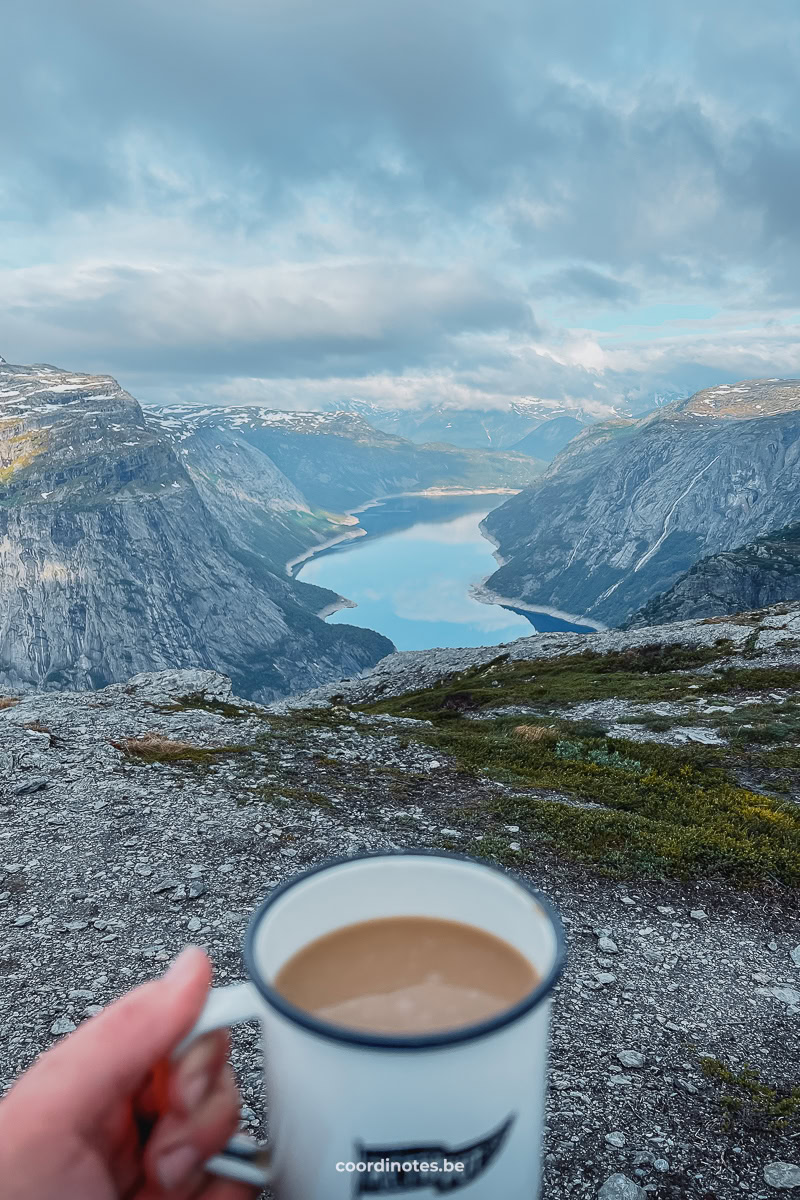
(109, 1057)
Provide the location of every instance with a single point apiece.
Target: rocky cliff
(762, 573)
(646, 781)
(111, 560)
(630, 505)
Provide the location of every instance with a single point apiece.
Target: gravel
(143, 858)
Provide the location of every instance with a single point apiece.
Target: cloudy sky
(299, 201)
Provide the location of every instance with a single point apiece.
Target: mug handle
(242, 1159)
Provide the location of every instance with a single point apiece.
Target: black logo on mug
(398, 1169)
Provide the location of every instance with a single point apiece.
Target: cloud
(418, 200)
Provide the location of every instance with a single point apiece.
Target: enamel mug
(358, 1114)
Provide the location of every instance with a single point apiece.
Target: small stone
(512, 828)
(698, 914)
(631, 1058)
(76, 926)
(627, 900)
(653, 955)
(616, 1139)
(642, 1159)
(794, 955)
(605, 977)
(195, 889)
(165, 885)
(92, 1010)
(665, 910)
(33, 785)
(782, 1175)
(62, 1025)
(513, 845)
(23, 920)
(607, 946)
(619, 1187)
(194, 924)
(786, 995)
(142, 869)
(661, 1164)
(619, 1081)
(774, 946)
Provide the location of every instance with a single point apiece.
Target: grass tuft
(751, 1103)
(154, 747)
(537, 733)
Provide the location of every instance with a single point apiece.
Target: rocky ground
(144, 816)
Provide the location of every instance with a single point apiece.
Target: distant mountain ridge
(475, 428)
(339, 461)
(631, 504)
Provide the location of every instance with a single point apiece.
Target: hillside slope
(764, 572)
(647, 782)
(630, 505)
(110, 562)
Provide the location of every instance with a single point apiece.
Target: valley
(413, 571)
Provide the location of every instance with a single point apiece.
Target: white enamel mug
(357, 1114)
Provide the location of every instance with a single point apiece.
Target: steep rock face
(111, 564)
(260, 509)
(755, 576)
(338, 461)
(629, 506)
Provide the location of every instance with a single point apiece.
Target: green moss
(284, 796)
(600, 756)
(750, 1102)
(644, 674)
(203, 703)
(664, 810)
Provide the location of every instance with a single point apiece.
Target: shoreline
(336, 606)
(355, 531)
(485, 595)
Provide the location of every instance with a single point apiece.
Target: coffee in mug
(404, 1003)
(406, 975)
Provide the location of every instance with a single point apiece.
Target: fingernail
(183, 966)
(174, 1165)
(194, 1088)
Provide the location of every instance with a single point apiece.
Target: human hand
(104, 1115)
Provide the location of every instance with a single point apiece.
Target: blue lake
(411, 572)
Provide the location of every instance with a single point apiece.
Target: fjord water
(411, 572)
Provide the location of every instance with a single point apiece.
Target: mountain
(113, 559)
(475, 428)
(630, 505)
(764, 572)
(338, 461)
(547, 439)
